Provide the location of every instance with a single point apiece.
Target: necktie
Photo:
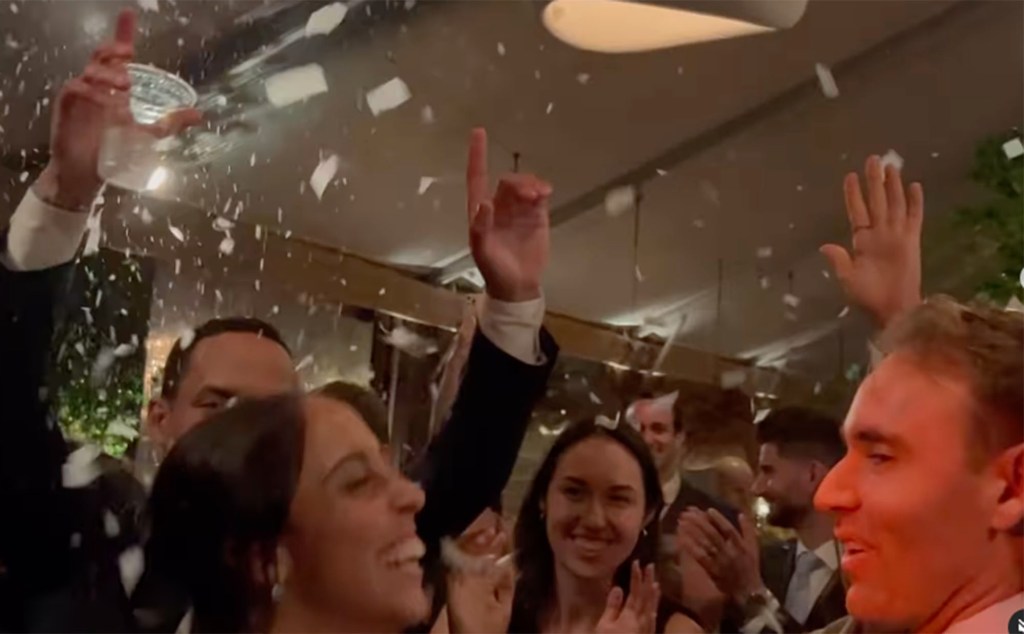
(798, 596)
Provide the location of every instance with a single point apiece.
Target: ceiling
(733, 144)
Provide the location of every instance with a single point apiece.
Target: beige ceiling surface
(926, 78)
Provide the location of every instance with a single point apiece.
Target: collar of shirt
(670, 489)
(827, 552)
(991, 619)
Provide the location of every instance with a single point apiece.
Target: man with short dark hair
(65, 550)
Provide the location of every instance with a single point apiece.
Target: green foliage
(997, 223)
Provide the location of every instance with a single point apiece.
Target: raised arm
(882, 272)
(469, 462)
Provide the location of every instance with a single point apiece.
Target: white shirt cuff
(42, 236)
(514, 327)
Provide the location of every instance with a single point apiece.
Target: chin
(412, 608)
(874, 606)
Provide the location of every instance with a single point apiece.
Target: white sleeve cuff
(41, 235)
(514, 327)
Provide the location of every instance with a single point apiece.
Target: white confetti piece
(764, 252)
(595, 399)
(323, 175)
(387, 96)
(732, 379)
(124, 350)
(607, 423)
(306, 362)
(1013, 148)
(23, 177)
(893, 158)
(326, 19)
(101, 366)
(791, 300)
(620, 200)
(80, 468)
(95, 233)
(186, 338)
(638, 274)
(501, 49)
(122, 429)
(131, 563)
(844, 312)
(583, 78)
(146, 216)
(661, 172)
(699, 223)
(252, 160)
(825, 274)
(765, 282)
(411, 343)
(176, 232)
(551, 106)
(826, 81)
(227, 245)
(111, 527)
(817, 388)
(295, 84)
(425, 183)
(382, 291)
(149, 5)
(223, 224)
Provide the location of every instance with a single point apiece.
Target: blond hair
(983, 343)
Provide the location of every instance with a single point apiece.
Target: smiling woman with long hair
(285, 515)
(587, 537)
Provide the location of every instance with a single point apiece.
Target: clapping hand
(509, 231)
(883, 273)
(85, 108)
(480, 600)
(637, 614)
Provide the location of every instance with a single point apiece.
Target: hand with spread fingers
(85, 108)
(882, 274)
(637, 614)
(740, 556)
(509, 232)
(481, 600)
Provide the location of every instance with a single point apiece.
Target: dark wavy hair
(220, 503)
(534, 557)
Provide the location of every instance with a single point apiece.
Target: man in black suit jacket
(62, 556)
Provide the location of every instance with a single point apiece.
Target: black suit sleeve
(35, 534)
(468, 463)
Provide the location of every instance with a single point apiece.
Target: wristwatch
(757, 601)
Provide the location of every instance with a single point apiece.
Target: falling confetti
(227, 245)
(95, 233)
(698, 223)
(844, 312)
(791, 300)
(387, 96)
(295, 84)
(146, 216)
(427, 115)
(765, 282)
(501, 49)
(661, 172)
(892, 158)
(764, 252)
(604, 421)
(306, 362)
(111, 527)
(149, 5)
(80, 467)
(551, 106)
(23, 178)
(638, 274)
(620, 200)
(323, 175)
(595, 399)
(425, 183)
(326, 19)
(131, 563)
(1013, 148)
(176, 232)
(827, 81)
(124, 350)
(101, 366)
(732, 379)
(583, 78)
(186, 338)
(223, 224)
(411, 343)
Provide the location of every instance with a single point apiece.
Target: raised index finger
(477, 177)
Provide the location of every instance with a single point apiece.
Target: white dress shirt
(43, 236)
(670, 491)
(991, 619)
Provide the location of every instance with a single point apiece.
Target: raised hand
(740, 556)
(637, 614)
(509, 231)
(883, 273)
(85, 108)
(480, 600)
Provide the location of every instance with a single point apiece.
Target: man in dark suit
(795, 585)
(65, 551)
(665, 435)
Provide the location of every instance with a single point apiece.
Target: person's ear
(1009, 470)
(157, 415)
(818, 472)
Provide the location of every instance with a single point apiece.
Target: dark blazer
(60, 569)
(778, 562)
(668, 570)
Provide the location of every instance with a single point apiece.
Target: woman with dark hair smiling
(587, 537)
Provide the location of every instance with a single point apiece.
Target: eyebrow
(872, 436)
(353, 458)
(619, 488)
(213, 390)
